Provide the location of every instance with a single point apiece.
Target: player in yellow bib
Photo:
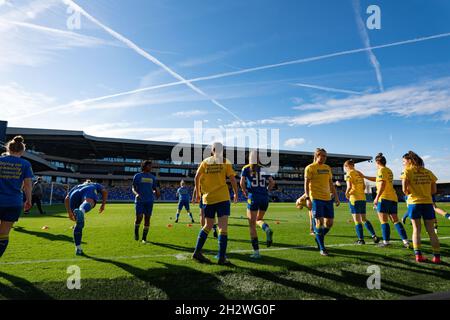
(386, 202)
(356, 195)
(318, 187)
(419, 184)
(211, 183)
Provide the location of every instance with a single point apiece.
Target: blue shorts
(77, 198)
(257, 203)
(418, 211)
(145, 208)
(359, 207)
(322, 209)
(75, 201)
(221, 208)
(10, 214)
(387, 206)
(183, 203)
(201, 205)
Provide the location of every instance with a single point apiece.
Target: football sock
(136, 231)
(417, 250)
(359, 231)
(401, 230)
(255, 244)
(405, 216)
(369, 228)
(145, 233)
(447, 216)
(78, 230)
(85, 207)
(223, 241)
(4, 240)
(264, 226)
(77, 234)
(386, 231)
(320, 238)
(202, 236)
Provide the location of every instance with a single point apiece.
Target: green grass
(117, 267)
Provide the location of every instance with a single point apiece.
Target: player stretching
(183, 201)
(355, 193)
(202, 213)
(211, 182)
(318, 187)
(15, 172)
(386, 202)
(79, 201)
(419, 184)
(256, 187)
(144, 184)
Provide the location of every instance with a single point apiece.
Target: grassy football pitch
(117, 267)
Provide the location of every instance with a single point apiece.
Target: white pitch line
(178, 256)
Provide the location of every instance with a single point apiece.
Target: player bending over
(419, 184)
(183, 201)
(256, 187)
(356, 195)
(386, 202)
(144, 185)
(15, 173)
(211, 182)
(318, 187)
(79, 201)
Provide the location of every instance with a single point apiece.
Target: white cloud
(365, 38)
(192, 62)
(294, 142)
(189, 113)
(426, 99)
(328, 89)
(29, 44)
(16, 100)
(130, 44)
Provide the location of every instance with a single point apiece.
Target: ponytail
(16, 145)
(381, 159)
(416, 161)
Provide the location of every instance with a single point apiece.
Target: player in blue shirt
(183, 195)
(144, 184)
(79, 201)
(15, 173)
(255, 186)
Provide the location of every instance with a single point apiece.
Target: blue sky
(390, 99)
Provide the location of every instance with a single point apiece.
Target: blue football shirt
(13, 171)
(183, 194)
(144, 184)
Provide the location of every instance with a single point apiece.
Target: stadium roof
(78, 145)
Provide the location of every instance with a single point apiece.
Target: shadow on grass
(178, 282)
(45, 235)
(23, 289)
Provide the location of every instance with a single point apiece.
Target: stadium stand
(66, 158)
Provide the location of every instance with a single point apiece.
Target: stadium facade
(70, 157)
(66, 157)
